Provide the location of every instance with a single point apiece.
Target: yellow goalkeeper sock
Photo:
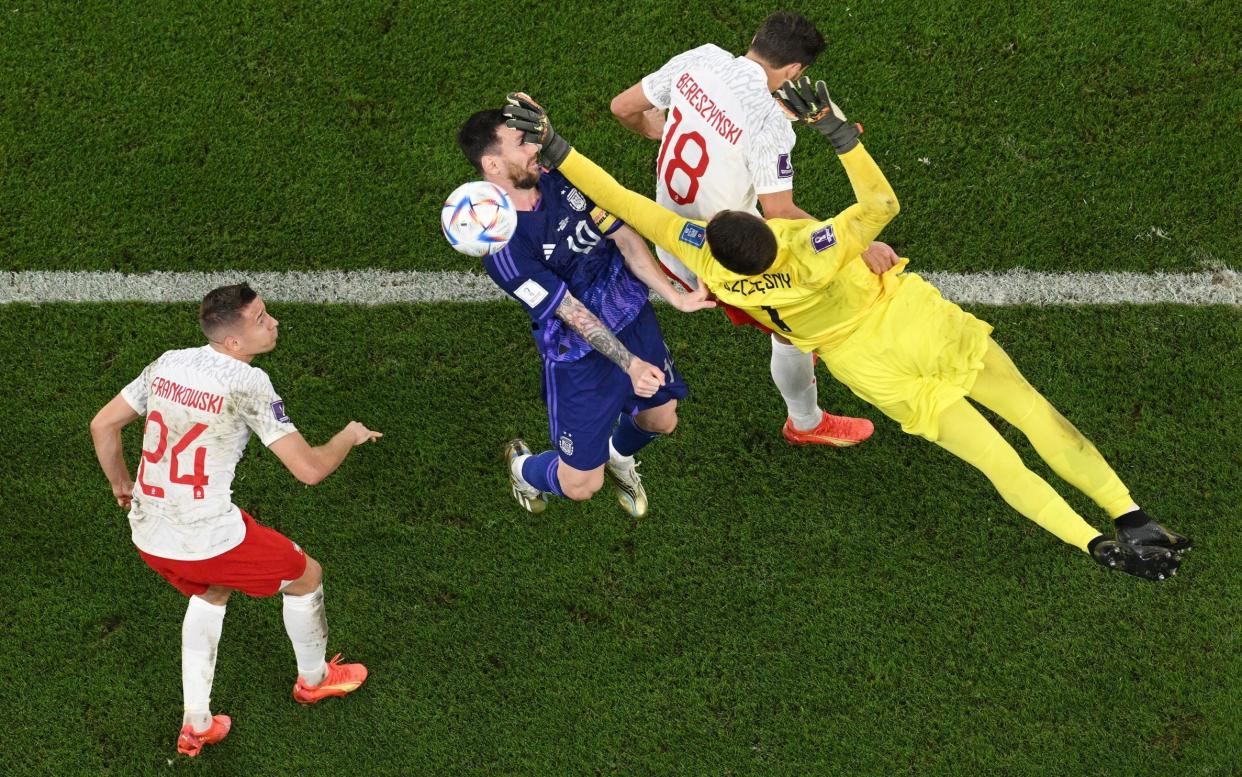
(1001, 388)
(965, 433)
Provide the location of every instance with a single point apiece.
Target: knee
(663, 424)
(1002, 465)
(583, 487)
(217, 595)
(312, 578)
(658, 420)
(313, 574)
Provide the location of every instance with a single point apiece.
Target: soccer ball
(478, 218)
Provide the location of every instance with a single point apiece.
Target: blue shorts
(585, 397)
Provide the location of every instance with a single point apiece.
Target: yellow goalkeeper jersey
(818, 288)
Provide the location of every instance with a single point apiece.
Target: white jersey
(200, 408)
(725, 139)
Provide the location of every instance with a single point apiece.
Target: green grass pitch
(875, 611)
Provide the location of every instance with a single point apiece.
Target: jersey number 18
(678, 161)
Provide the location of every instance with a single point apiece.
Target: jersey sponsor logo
(823, 239)
(561, 226)
(603, 219)
(713, 114)
(769, 281)
(278, 410)
(548, 248)
(784, 168)
(576, 200)
(531, 293)
(566, 444)
(189, 397)
(693, 234)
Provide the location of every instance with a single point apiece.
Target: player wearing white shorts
(201, 406)
(727, 145)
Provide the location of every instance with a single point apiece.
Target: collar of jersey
(762, 73)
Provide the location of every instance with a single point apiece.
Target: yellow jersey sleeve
(684, 238)
(824, 246)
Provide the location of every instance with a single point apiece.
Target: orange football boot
(836, 430)
(192, 742)
(341, 679)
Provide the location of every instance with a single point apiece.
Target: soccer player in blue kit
(584, 278)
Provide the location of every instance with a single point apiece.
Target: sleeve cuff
(130, 401)
(783, 185)
(555, 302)
(650, 99)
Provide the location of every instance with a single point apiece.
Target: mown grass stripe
(373, 287)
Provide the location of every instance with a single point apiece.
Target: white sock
(616, 458)
(515, 467)
(793, 372)
(200, 636)
(306, 623)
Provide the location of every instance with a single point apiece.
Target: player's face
(257, 331)
(519, 161)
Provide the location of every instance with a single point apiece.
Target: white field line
(377, 287)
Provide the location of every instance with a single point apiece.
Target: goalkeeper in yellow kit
(890, 337)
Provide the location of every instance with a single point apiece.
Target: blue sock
(628, 438)
(540, 471)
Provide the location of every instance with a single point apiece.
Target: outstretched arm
(856, 226)
(312, 465)
(681, 237)
(643, 265)
(654, 222)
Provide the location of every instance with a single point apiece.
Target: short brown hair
(222, 308)
(787, 37)
(479, 137)
(741, 241)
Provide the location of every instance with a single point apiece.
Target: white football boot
(530, 498)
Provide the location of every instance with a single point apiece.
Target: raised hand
(524, 114)
(809, 103)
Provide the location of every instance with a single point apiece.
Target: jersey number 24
(197, 479)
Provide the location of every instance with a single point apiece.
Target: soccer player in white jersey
(201, 405)
(727, 145)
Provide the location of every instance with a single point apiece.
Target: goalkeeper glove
(812, 105)
(523, 113)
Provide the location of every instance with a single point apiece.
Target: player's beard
(523, 177)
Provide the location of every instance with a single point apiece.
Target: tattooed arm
(647, 378)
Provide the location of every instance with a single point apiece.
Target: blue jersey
(560, 247)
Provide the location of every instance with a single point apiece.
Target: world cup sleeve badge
(784, 168)
(693, 234)
(824, 238)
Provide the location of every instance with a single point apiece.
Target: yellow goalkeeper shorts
(912, 355)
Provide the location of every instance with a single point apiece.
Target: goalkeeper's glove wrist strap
(843, 137)
(555, 151)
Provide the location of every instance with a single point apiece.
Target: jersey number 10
(197, 479)
(678, 161)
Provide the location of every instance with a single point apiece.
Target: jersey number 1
(197, 479)
(678, 162)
